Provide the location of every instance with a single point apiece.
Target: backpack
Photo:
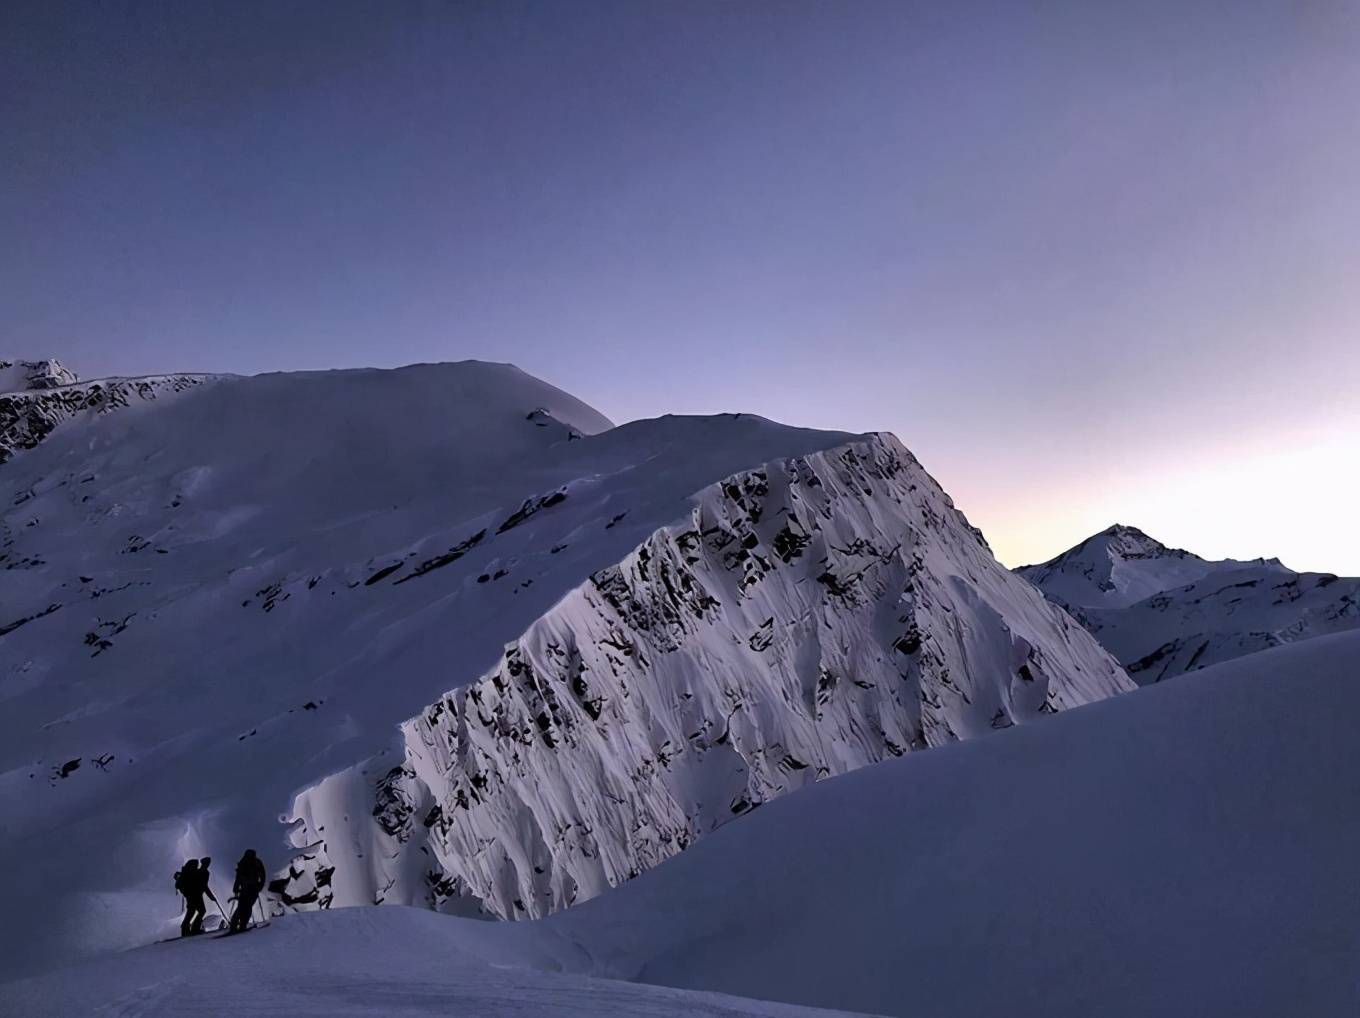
(183, 882)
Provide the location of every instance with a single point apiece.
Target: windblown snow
(1163, 611)
(474, 646)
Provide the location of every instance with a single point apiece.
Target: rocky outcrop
(19, 376)
(809, 617)
(29, 415)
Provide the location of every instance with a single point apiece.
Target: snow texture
(1163, 611)
(38, 396)
(224, 604)
(1173, 852)
(352, 963)
(805, 618)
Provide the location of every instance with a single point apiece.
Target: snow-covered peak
(1163, 611)
(1116, 568)
(23, 376)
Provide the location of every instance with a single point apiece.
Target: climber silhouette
(192, 883)
(250, 878)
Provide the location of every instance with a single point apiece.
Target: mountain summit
(1115, 568)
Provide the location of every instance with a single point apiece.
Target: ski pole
(263, 917)
(219, 906)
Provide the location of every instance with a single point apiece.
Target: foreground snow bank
(1187, 849)
(387, 962)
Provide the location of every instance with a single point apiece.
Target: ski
(205, 935)
(232, 933)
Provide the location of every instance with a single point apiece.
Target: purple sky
(1091, 261)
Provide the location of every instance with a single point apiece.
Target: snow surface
(803, 619)
(238, 590)
(393, 963)
(1188, 849)
(1163, 611)
(36, 397)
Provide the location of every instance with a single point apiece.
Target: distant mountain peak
(1115, 567)
(1124, 541)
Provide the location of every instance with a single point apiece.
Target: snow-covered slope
(1223, 616)
(217, 606)
(802, 619)
(1122, 565)
(1177, 851)
(1163, 611)
(36, 397)
(1170, 852)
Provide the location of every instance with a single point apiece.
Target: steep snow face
(1163, 611)
(19, 376)
(36, 397)
(1119, 566)
(803, 619)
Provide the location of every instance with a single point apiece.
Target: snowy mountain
(1121, 566)
(1168, 852)
(354, 601)
(1162, 611)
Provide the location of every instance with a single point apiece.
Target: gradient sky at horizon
(1092, 262)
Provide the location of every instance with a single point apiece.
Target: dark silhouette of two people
(193, 882)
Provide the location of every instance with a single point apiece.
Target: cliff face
(809, 617)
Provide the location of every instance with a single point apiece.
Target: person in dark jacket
(250, 878)
(192, 882)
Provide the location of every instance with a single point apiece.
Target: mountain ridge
(1165, 611)
(224, 596)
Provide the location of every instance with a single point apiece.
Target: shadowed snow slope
(222, 605)
(1162, 611)
(351, 963)
(1189, 849)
